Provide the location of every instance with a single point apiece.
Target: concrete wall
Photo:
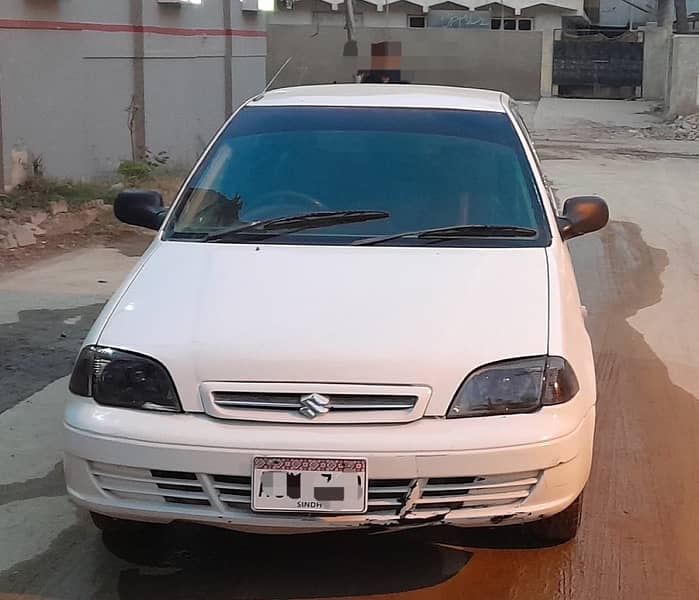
(65, 93)
(546, 21)
(503, 60)
(656, 64)
(683, 98)
(75, 10)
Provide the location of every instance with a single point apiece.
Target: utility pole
(665, 16)
(350, 25)
(682, 24)
(350, 22)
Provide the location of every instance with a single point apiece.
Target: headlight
(117, 378)
(516, 386)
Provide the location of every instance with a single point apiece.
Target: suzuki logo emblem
(314, 405)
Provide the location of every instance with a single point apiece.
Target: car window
(426, 168)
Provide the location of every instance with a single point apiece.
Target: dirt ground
(106, 231)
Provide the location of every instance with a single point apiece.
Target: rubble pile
(22, 228)
(682, 128)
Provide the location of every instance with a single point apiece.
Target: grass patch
(39, 193)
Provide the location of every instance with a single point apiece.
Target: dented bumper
(178, 468)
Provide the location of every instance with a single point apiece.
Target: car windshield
(424, 168)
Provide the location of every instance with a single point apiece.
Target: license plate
(315, 485)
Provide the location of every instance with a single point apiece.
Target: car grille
(344, 402)
(387, 497)
(316, 404)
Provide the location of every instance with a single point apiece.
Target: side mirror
(581, 215)
(140, 207)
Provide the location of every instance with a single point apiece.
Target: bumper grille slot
(233, 491)
(185, 482)
(475, 492)
(156, 486)
(387, 497)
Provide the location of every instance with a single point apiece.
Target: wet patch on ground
(636, 534)
(47, 572)
(52, 484)
(626, 546)
(39, 348)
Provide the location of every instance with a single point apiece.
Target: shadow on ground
(200, 562)
(186, 561)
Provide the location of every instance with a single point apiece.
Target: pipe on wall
(228, 59)
(2, 143)
(138, 105)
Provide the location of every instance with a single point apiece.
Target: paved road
(639, 538)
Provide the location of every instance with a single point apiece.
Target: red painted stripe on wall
(119, 28)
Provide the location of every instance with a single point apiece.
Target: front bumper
(179, 469)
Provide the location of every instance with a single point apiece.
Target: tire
(559, 528)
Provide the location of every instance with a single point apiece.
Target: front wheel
(559, 528)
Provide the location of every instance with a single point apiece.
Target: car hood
(364, 315)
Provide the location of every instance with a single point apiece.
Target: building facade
(87, 84)
(627, 13)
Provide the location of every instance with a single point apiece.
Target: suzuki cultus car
(359, 312)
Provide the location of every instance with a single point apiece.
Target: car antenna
(277, 74)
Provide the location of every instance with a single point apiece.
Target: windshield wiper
(454, 232)
(295, 223)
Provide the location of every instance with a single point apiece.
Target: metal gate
(591, 64)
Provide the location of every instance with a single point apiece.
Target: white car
(360, 312)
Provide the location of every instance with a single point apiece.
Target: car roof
(386, 96)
